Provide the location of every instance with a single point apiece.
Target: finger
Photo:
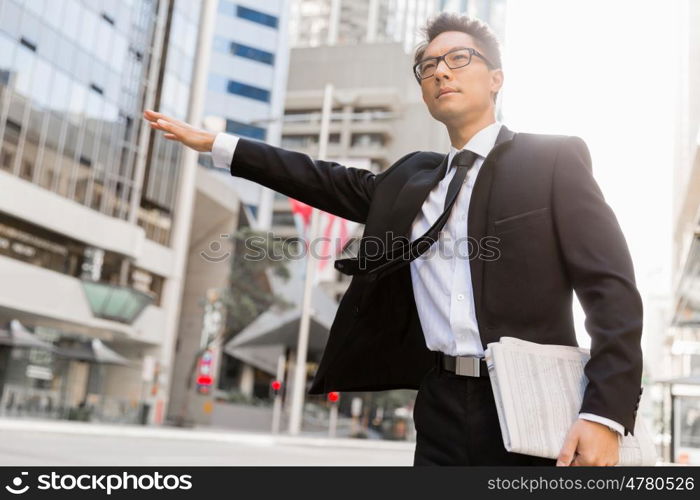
(154, 117)
(151, 115)
(169, 127)
(170, 136)
(568, 450)
(160, 116)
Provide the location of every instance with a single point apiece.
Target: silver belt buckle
(467, 365)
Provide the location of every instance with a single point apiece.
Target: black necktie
(462, 161)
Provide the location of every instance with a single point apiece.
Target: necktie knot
(464, 158)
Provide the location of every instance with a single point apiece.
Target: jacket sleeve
(598, 263)
(343, 191)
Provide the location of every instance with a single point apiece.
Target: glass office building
(73, 76)
(89, 193)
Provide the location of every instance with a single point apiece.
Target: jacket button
(338, 265)
(356, 310)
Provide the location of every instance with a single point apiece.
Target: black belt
(468, 366)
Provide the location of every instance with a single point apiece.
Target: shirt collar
(481, 143)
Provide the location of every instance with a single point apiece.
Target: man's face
(473, 84)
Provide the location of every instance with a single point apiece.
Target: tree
(248, 293)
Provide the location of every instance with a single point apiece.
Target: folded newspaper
(538, 390)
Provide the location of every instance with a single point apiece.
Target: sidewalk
(196, 434)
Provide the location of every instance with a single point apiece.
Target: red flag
(335, 233)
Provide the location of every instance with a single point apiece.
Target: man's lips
(445, 93)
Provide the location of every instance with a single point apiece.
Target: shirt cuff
(222, 150)
(619, 428)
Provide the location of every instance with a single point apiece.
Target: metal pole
(333, 423)
(277, 407)
(303, 342)
(333, 22)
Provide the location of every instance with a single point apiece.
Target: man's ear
(496, 80)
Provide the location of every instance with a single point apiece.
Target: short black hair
(486, 40)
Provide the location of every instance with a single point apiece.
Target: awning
(260, 356)
(93, 351)
(115, 302)
(19, 336)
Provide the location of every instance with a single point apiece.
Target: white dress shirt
(442, 285)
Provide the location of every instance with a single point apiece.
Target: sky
(604, 71)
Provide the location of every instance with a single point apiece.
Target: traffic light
(333, 397)
(205, 379)
(275, 388)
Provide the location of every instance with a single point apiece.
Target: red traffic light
(276, 385)
(333, 396)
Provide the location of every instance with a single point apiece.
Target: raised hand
(176, 130)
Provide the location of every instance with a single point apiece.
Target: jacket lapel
(477, 218)
(416, 190)
(411, 197)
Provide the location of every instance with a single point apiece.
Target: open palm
(176, 130)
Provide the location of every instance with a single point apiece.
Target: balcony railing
(362, 116)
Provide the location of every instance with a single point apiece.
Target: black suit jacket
(535, 196)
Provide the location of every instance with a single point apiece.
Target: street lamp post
(303, 341)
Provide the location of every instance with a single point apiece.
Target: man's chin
(450, 116)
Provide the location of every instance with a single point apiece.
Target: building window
(244, 90)
(28, 243)
(256, 16)
(369, 140)
(238, 49)
(302, 141)
(245, 130)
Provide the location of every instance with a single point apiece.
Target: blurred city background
(131, 330)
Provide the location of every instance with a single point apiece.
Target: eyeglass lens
(455, 59)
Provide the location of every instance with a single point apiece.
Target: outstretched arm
(326, 185)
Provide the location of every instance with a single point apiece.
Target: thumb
(568, 450)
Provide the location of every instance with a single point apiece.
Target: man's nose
(442, 69)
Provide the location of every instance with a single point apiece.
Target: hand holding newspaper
(538, 390)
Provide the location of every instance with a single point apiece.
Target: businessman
(490, 239)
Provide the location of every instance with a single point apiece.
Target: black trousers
(457, 423)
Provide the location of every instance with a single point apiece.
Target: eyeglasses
(455, 58)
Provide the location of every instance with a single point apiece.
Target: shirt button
(463, 216)
(460, 296)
